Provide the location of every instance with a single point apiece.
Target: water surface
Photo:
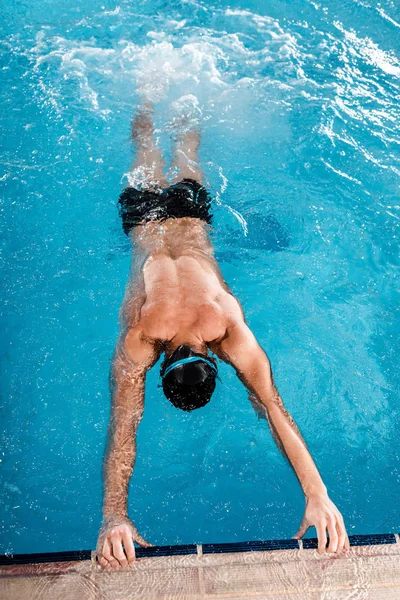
(299, 113)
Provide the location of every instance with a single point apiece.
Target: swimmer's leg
(148, 167)
(186, 160)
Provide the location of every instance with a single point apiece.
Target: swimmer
(177, 303)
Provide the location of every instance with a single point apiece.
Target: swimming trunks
(187, 198)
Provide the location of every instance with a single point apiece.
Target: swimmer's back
(183, 288)
(172, 237)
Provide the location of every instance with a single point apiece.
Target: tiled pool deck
(276, 570)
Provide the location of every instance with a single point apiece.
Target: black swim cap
(188, 384)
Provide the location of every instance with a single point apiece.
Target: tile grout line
(200, 572)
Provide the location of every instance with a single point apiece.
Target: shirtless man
(178, 303)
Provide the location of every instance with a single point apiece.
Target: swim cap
(188, 378)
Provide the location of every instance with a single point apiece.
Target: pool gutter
(188, 549)
(272, 569)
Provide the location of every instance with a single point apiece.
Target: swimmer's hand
(115, 544)
(324, 516)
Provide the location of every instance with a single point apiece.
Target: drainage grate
(250, 546)
(358, 540)
(45, 557)
(166, 551)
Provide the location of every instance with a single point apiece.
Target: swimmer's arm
(132, 360)
(240, 348)
(127, 381)
(252, 365)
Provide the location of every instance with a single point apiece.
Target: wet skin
(177, 295)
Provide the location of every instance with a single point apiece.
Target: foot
(186, 114)
(142, 124)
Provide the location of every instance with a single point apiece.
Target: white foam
(387, 17)
(371, 52)
(203, 62)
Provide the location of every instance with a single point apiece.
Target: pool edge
(73, 556)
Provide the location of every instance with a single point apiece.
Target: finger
(103, 562)
(129, 547)
(303, 528)
(107, 553)
(347, 541)
(321, 533)
(118, 551)
(333, 536)
(341, 532)
(141, 541)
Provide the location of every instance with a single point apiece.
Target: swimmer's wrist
(111, 519)
(114, 513)
(315, 491)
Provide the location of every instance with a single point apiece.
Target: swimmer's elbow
(258, 378)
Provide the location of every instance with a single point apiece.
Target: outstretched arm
(133, 358)
(240, 348)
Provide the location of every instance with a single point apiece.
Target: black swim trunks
(188, 198)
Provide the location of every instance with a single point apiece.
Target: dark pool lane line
(187, 549)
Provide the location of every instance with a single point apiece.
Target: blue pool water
(300, 118)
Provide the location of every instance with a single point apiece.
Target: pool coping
(197, 549)
(224, 572)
